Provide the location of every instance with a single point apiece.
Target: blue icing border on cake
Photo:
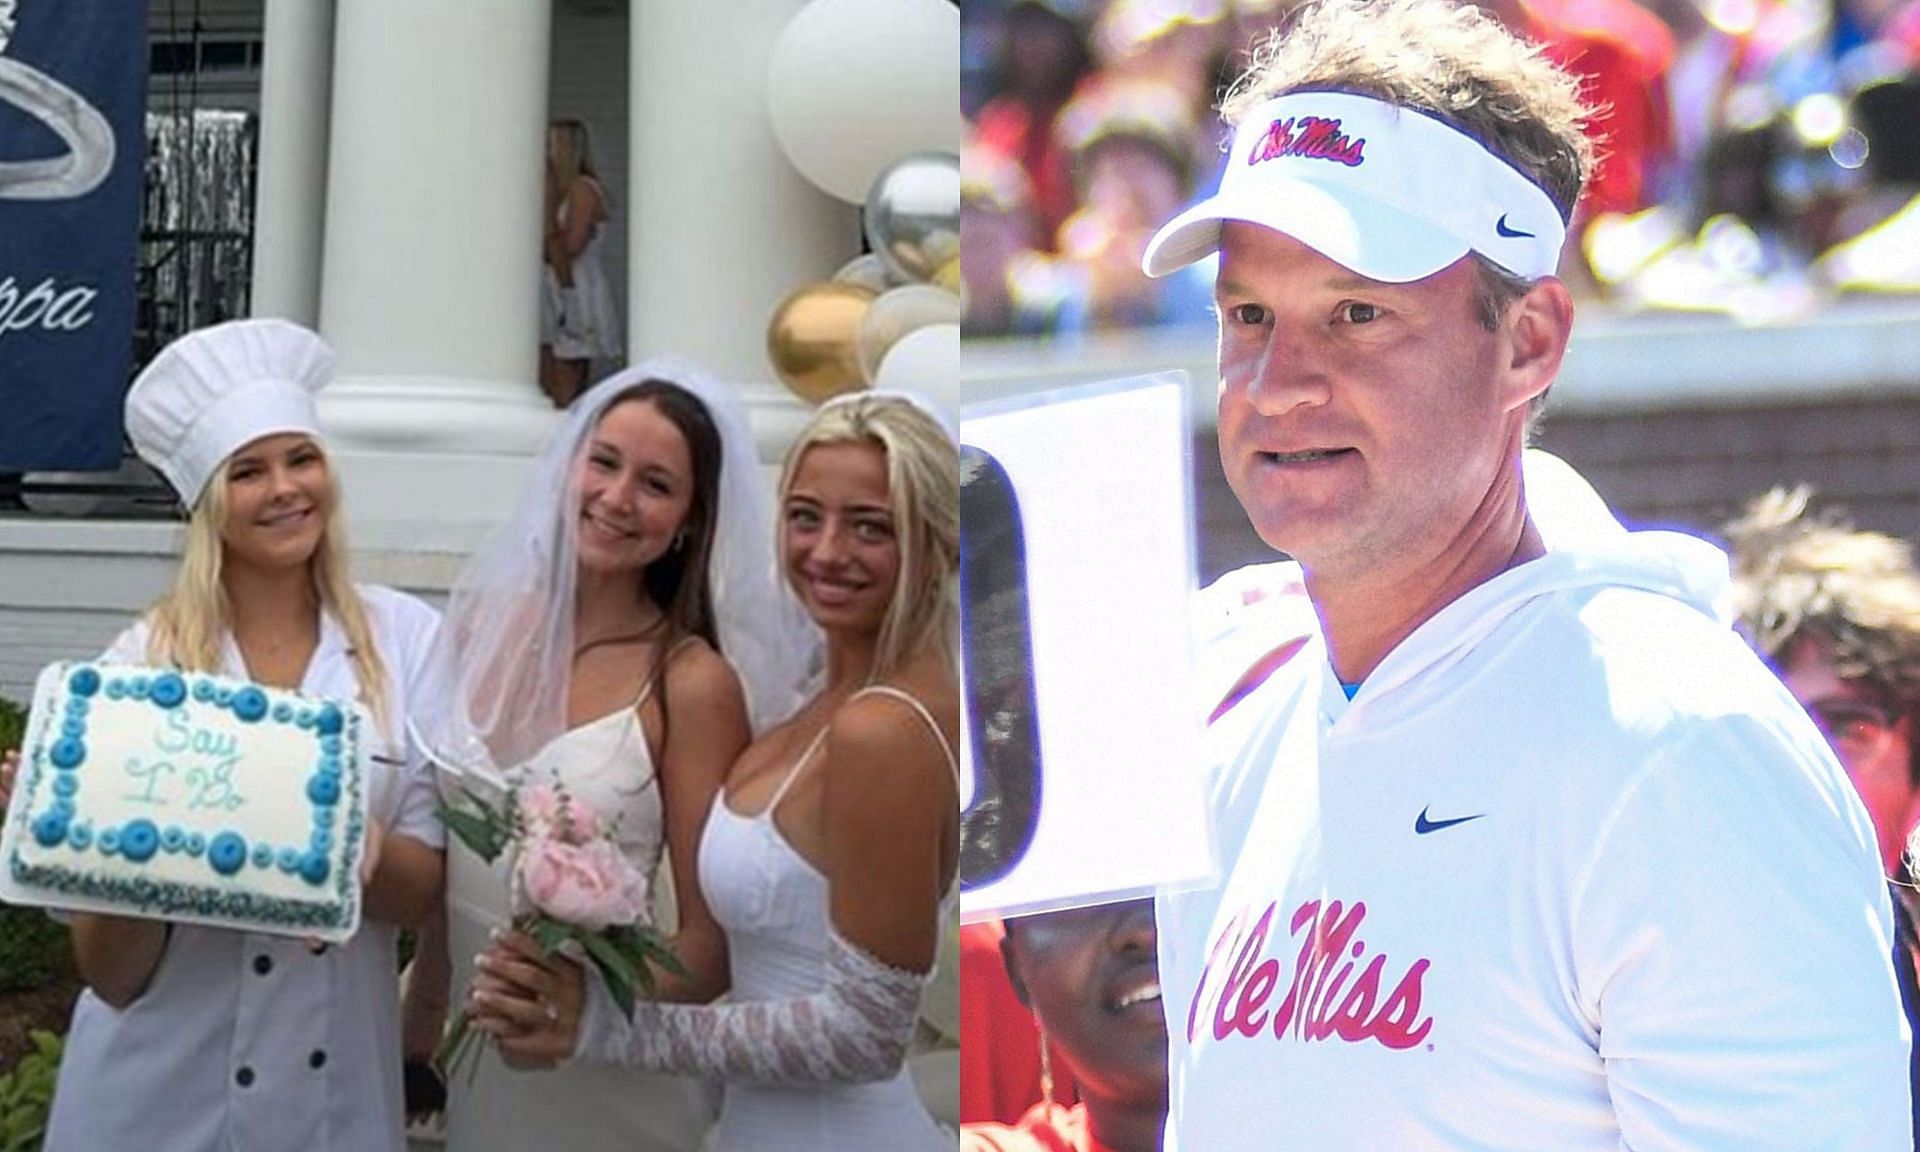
(313, 867)
(84, 681)
(49, 829)
(249, 705)
(167, 690)
(227, 853)
(163, 898)
(139, 840)
(324, 791)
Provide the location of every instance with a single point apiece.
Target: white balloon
(926, 362)
(893, 315)
(853, 85)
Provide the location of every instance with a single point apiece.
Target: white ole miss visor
(1382, 190)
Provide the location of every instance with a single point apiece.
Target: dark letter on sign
(1002, 717)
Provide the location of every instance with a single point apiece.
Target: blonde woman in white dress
(830, 851)
(588, 645)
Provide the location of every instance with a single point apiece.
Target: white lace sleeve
(855, 1029)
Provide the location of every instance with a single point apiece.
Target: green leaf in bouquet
(485, 836)
(649, 950)
(549, 933)
(615, 966)
(654, 947)
(624, 938)
(458, 1050)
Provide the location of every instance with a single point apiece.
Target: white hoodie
(1571, 871)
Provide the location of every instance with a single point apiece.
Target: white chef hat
(217, 389)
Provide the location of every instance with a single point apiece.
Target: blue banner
(72, 104)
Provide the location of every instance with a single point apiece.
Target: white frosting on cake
(189, 796)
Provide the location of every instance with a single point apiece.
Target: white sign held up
(1081, 773)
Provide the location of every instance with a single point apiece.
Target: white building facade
(397, 211)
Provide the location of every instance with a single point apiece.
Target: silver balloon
(913, 215)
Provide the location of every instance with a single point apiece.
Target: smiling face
(279, 493)
(1362, 422)
(841, 552)
(1092, 975)
(635, 484)
(1873, 744)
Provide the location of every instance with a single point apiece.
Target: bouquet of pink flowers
(569, 884)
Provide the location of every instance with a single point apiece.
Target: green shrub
(26, 1095)
(33, 948)
(13, 724)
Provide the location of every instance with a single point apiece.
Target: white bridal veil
(498, 672)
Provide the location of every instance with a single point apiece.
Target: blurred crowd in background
(1759, 158)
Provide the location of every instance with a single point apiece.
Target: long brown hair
(678, 583)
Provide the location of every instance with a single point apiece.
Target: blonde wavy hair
(189, 622)
(1799, 574)
(923, 490)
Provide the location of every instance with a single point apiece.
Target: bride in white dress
(834, 840)
(588, 645)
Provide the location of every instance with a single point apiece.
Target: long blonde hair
(923, 489)
(189, 622)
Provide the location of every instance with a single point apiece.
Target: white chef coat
(245, 1042)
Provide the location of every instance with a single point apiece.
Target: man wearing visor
(1526, 850)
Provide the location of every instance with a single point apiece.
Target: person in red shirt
(1621, 54)
(1092, 978)
(1000, 1058)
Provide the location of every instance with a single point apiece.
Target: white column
(296, 89)
(723, 226)
(432, 263)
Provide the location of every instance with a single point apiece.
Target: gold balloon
(811, 339)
